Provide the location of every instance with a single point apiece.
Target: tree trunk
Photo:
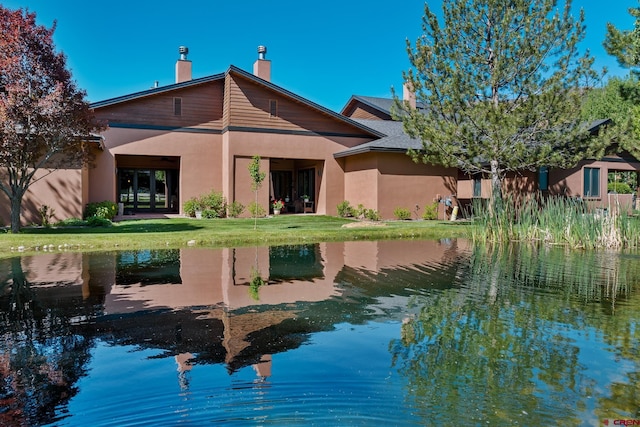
(496, 187)
(16, 207)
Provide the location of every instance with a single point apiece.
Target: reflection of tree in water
(500, 350)
(40, 360)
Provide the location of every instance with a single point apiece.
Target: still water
(352, 333)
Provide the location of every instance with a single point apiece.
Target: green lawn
(178, 232)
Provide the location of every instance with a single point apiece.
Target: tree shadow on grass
(132, 227)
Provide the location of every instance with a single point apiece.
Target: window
(591, 182)
(273, 108)
(177, 106)
(543, 178)
(477, 186)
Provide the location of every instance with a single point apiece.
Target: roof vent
(183, 53)
(262, 50)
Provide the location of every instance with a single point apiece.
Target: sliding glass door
(147, 189)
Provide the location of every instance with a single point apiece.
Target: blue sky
(324, 51)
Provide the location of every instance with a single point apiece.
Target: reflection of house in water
(195, 303)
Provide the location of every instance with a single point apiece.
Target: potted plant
(305, 198)
(277, 206)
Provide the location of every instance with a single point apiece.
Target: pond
(350, 333)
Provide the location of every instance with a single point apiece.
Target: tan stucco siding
(361, 181)
(308, 151)
(200, 159)
(405, 184)
(62, 190)
(386, 181)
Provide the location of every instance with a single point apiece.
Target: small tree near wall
(257, 177)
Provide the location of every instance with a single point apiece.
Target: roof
(394, 140)
(381, 104)
(235, 70)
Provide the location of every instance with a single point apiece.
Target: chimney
(183, 66)
(262, 67)
(408, 94)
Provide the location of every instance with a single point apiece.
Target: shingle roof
(395, 139)
(381, 104)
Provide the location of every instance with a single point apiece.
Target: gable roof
(381, 104)
(238, 71)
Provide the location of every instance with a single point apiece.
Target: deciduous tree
(501, 85)
(44, 119)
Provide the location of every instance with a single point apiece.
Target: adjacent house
(168, 144)
(587, 181)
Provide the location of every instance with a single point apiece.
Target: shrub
(46, 214)
(402, 213)
(191, 206)
(256, 210)
(216, 202)
(98, 221)
(371, 215)
(431, 211)
(71, 222)
(619, 187)
(105, 209)
(360, 211)
(235, 209)
(344, 209)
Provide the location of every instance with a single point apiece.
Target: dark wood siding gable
(250, 106)
(200, 107)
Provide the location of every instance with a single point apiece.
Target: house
(167, 144)
(587, 181)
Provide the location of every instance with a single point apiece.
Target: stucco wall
(307, 150)
(386, 181)
(200, 160)
(62, 190)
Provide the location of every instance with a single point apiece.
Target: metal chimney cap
(262, 50)
(183, 52)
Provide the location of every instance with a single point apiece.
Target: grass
(556, 221)
(181, 232)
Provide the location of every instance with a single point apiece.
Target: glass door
(146, 189)
(307, 183)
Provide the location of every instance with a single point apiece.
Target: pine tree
(501, 85)
(625, 44)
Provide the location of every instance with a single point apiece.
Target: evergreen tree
(625, 44)
(501, 84)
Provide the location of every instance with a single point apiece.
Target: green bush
(619, 187)
(214, 202)
(371, 215)
(430, 211)
(256, 210)
(235, 209)
(344, 209)
(71, 222)
(402, 213)
(360, 211)
(191, 206)
(98, 221)
(46, 214)
(105, 209)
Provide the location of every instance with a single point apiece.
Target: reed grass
(555, 220)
